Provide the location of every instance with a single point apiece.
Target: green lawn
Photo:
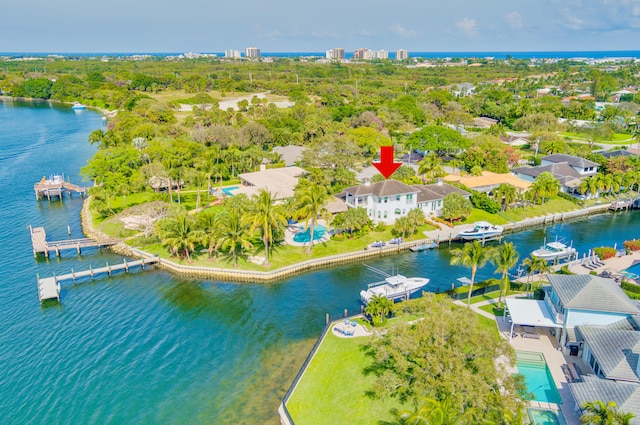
(616, 139)
(481, 215)
(554, 206)
(489, 324)
(332, 390)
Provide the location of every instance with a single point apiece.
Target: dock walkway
(48, 189)
(49, 287)
(40, 244)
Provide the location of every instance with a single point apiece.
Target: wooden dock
(40, 244)
(49, 287)
(56, 186)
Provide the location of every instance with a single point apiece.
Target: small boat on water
(393, 287)
(423, 247)
(78, 106)
(554, 251)
(481, 230)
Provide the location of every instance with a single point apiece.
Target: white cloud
(401, 31)
(514, 20)
(467, 26)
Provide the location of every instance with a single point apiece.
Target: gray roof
(383, 188)
(626, 395)
(615, 350)
(574, 161)
(290, 154)
(617, 152)
(559, 171)
(588, 292)
(437, 191)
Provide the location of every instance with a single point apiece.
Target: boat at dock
(555, 251)
(394, 287)
(481, 230)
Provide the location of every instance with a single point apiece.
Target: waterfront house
(488, 181)
(586, 300)
(389, 200)
(591, 388)
(583, 166)
(281, 182)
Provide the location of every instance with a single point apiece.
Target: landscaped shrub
(605, 252)
(632, 245)
(570, 198)
(484, 202)
(439, 220)
(630, 287)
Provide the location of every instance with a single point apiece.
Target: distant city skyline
(287, 26)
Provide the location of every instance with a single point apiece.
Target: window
(386, 199)
(410, 197)
(379, 200)
(397, 211)
(397, 197)
(378, 214)
(404, 211)
(385, 214)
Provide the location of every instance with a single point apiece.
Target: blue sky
(287, 25)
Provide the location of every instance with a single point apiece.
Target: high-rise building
(232, 54)
(359, 54)
(338, 53)
(329, 54)
(382, 54)
(252, 52)
(402, 54)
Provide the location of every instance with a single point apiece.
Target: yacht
(393, 287)
(554, 251)
(481, 230)
(78, 106)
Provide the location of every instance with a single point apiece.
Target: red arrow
(386, 166)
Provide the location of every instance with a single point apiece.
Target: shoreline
(104, 112)
(244, 276)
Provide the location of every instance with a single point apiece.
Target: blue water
(151, 347)
(229, 190)
(305, 235)
(546, 417)
(539, 381)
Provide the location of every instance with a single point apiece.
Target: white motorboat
(78, 106)
(393, 287)
(481, 230)
(554, 251)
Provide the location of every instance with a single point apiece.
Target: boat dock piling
(40, 244)
(48, 189)
(49, 287)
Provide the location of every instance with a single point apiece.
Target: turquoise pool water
(537, 377)
(229, 190)
(305, 236)
(546, 417)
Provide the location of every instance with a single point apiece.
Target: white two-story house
(389, 200)
(583, 166)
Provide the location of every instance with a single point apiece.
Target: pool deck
(548, 346)
(289, 234)
(612, 265)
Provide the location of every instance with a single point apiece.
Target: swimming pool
(229, 190)
(537, 377)
(305, 236)
(546, 417)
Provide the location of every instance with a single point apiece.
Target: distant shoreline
(59, 102)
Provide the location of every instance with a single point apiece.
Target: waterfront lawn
(489, 324)
(481, 215)
(332, 390)
(554, 206)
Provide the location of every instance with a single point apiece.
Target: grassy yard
(490, 324)
(616, 139)
(332, 390)
(481, 215)
(554, 206)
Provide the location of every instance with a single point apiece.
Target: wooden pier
(56, 186)
(49, 287)
(40, 244)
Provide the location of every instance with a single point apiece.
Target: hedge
(605, 252)
(632, 245)
(630, 287)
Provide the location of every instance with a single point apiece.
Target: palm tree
(506, 256)
(210, 222)
(313, 202)
(535, 265)
(266, 217)
(433, 412)
(473, 256)
(235, 235)
(198, 179)
(179, 234)
(506, 194)
(598, 413)
(378, 307)
(431, 167)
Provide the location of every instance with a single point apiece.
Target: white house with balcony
(389, 200)
(582, 166)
